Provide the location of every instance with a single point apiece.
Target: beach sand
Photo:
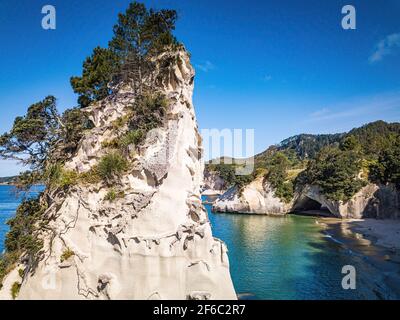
(385, 233)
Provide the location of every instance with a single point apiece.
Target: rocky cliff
(372, 201)
(348, 175)
(213, 183)
(257, 198)
(154, 241)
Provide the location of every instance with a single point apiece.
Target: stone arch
(309, 205)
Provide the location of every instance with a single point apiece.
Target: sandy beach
(385, 233)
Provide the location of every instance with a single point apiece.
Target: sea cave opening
(312, 207)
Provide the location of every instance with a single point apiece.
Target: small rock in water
(247, 296)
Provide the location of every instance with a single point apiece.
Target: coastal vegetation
(22, 239)
(147, 113)
(68, 253)
(335, 171)
(387, 168)
(228, 173)
(278, 176)
(111, 166)
(139, 36)
(113, 194)
(15, 290)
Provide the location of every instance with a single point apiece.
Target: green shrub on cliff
(228, 173)
(15, 290)
(111, 165)
(7, 263)
(132, 137)
(57, 176)
(113, 195)
(23, 227)
(149, 111)
(68, 253)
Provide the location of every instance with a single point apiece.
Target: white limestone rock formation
(372, 201)
(257, 198)
(156, 241)
(213, 183)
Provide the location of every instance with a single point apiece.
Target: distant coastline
(8, 181)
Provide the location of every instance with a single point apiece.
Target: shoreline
(383, 233)
(379, 232)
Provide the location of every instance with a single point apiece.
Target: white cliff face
(213, 183)
(155, 242)
(256, 198)
(372, 201)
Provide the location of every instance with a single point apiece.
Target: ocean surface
(291, 257)
(294, 257)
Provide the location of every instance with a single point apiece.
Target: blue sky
(281, 67)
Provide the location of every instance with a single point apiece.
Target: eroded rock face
(257, 198)
(213, 183)
(153, 243)
(372, 201)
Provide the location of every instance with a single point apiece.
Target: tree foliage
(387, 168)
(307, 146)
(139, 35)
(21, 236)
(32, 135)
(42, 137)
(376, 137)
(228, 173)
(278, 178)
(336, 172)
(22, 239)
(142, 32)
(98, 72)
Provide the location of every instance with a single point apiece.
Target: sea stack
(146, 235)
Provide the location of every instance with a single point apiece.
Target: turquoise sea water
(293, 257)
(290, 257)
